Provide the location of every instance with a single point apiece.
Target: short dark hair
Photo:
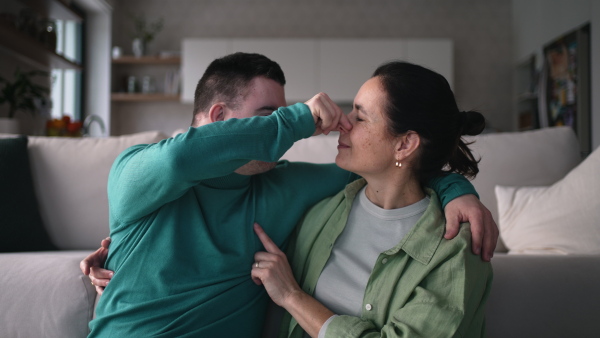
(421, 100)
(226, 78)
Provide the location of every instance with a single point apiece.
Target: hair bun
(471, 122)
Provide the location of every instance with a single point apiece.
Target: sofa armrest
(544, 296)
(44, 294)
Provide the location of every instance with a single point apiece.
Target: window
(66, 83)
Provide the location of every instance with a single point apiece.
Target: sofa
(534, 294)
(44, 293)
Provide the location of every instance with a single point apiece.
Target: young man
(182, 210)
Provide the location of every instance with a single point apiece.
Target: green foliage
(22, 93)
(144, 29)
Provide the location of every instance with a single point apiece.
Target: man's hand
(92, 266)
(327, 115)
(485, 233)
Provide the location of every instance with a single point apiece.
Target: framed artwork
(567, 77)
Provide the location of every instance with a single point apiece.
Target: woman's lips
(342, 145)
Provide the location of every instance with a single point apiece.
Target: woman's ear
(407, 145)
(216, 112)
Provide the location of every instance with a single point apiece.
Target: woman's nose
(343, 130)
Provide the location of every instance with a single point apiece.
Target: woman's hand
(92, 266)
(272, 270)
(328, 116)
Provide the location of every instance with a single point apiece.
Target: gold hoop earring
(398, 164)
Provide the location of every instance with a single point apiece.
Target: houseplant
(143, 33)
(22, 94)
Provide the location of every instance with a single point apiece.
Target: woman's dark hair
(421, 100)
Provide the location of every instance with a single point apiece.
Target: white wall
(537, 22)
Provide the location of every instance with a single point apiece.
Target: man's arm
(144, 178)
(461, 204)
(324, 117)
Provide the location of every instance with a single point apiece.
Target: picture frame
(567, 84)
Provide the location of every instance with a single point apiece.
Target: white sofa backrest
(70, 177)
(532, 158)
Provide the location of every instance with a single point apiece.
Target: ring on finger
(256, 264)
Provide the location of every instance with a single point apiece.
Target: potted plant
(143, 33)
(22, 94)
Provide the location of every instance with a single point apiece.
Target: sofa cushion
(531, 158)
(70, 177)
(20, 222)
(563, 218)
(538, 157)
(45, 295)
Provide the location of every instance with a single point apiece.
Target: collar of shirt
(417, 243)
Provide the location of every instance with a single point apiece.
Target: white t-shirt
(370, 230)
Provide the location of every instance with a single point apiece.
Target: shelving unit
(31, 51)
(147, 60)
(139, 97)
(130, 60)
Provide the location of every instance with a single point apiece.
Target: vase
(139, 47)
(9, 126)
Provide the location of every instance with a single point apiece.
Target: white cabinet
(297, 58)
(337, 67)
(345, 64)
(197, 54)
(435, 54)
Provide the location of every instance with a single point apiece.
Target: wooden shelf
(147, 60)
(54, 9)
(138, 97)
(31, 51)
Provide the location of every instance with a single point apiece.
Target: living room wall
(536, 22)
(481, 31)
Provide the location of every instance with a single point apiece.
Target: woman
(371, 261)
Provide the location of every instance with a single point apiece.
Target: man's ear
(407, 145)
(217, 112)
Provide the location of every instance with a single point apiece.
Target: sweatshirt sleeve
(451, 186)
(145, 177)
